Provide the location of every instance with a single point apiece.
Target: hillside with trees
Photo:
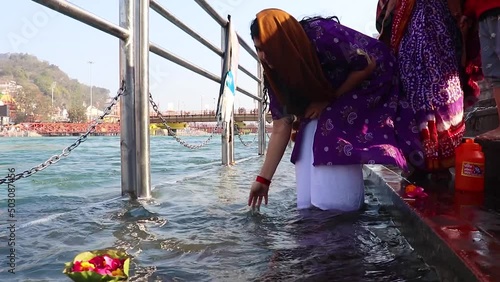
(38, 79)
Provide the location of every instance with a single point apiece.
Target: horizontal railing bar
(247, 72)
(77, 13)
(170, 17)
(209, 10)
(167, 15)
(183, 63)
(248, 48)
(243, 91)
(222, 22)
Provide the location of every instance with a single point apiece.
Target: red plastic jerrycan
(469, 167)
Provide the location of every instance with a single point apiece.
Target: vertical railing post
(231, 140)
(226, 127)
(141, 49)
(262, 114)
(228, 28)
(127, 114)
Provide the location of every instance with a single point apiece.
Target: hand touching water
(258, 191)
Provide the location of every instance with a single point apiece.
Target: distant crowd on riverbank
(16, 131)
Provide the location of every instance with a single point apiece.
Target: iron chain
(469, 114)
(66, 151)
(172, 133)
(264, 109)
(246, 144)
(266, 103)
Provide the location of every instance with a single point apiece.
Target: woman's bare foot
(490, 135)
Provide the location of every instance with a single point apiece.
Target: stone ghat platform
(491, 150)
(457, 233)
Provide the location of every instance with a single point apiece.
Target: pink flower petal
(103, 271)
(423, 195)
(417, 193)
(77, 266)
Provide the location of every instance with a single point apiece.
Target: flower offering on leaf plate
(413, 191)
(99, 265)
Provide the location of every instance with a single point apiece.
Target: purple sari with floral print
(372, 124)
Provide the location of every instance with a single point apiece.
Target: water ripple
(198, 227)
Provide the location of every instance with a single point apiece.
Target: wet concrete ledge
(491, 149)
(456, 233)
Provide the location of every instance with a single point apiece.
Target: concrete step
(491, 150)
(481, 118)
(456, 233)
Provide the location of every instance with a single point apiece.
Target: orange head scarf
(296, 76)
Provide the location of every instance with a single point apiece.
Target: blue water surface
(197, 227)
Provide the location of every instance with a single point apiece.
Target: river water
(197, 227)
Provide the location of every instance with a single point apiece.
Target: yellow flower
(117, 272)
(87, 265)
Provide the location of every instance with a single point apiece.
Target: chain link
(238, 133)
(66, 151)
(265, 103)
(172, 133)
(265, 98)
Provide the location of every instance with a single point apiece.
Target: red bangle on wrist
(263, 180)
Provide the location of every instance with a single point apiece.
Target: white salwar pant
(336, 187)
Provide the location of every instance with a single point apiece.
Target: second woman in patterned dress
(438, 63)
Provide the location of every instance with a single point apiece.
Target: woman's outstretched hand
(258, 191)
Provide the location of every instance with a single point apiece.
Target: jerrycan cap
(470, 144)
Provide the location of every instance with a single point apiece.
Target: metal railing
(133, 32)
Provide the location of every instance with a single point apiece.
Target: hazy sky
(28, 27)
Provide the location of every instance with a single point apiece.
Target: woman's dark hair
(254, 26)
(254, 29)
(310, 19)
